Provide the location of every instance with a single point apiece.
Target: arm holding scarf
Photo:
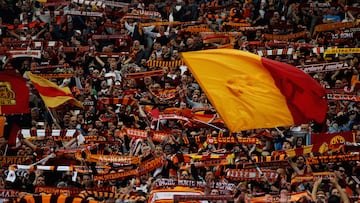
(315, 188)
(343, 196)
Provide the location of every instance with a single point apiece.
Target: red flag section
(14, 94)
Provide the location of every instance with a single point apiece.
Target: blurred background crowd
(144, 113)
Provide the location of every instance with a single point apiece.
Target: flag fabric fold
(251, 92)
(53, 95)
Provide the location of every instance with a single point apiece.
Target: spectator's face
(214, 192)
(167, 149)
(28, 150)
(86, 180)
(338, 84)
(157, 46)
(209, 176)
(197, 92)
(320, 197)
(195, 98)
(40, 181)
(152, 7)
(258, 33)
(300, 161)
(175, 53)
(2, 141)
(158, 151)
(284, 196)
(340, 173)
(145, 150)
(286, 146)
(357, 137)
(2, 183)
(184, 175)
(335, 192)
(190, 42)
(332, 110)
(73, 121)
(183, 106)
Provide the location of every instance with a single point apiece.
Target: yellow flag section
(252, 92)
(52, 95)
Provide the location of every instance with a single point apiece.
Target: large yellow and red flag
(52, 95)
(251, 92)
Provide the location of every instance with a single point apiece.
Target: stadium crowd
(145, 125)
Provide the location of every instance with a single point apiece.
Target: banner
(69, 191)
(170, 64)
(54, 75)
(312, 177)
(48, 67)
(165, 94)
(99, 169)
(209, 163)
(276, 52)
(4, 193)
(126, 101)
(107, 37)
(224, 18)
(341, 51)
(117, 175)
(192, 198)
(14, 93)
(144, 74)
(79, 49)
(284, 37)
(101, 195)
(101, 4)
(235, 24)
(293, 197)
(151, 14)
(267, 165)
(151, 165)
(332, 159)
(112, 54)
(344, 97)
(10, 160)
(47, 198)
(24, 53)
(251, 174)
(166, 23)
(41, 133)
(122, 160)
(269, 162)
(157, 136)
(197, 29)
(233, 140)
(163, 182)
(333, 26)
(143, 168)
(332, 138)
(323, 67)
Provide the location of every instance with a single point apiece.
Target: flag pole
(6, 148)
(53, 118)
(209, 124)
(247, 152)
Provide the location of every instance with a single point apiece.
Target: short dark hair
(334, 199)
